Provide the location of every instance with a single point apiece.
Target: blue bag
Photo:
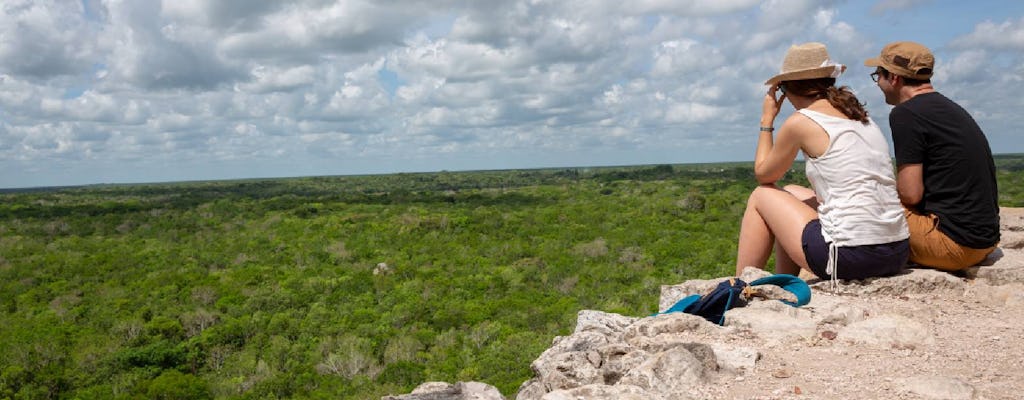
(729, 294)
(712, 306)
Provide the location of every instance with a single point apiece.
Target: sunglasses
(782, 88)
(879, 73)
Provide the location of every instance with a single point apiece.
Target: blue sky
(147, 91)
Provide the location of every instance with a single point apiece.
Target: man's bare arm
(910, 184)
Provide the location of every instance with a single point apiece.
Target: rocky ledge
(920, 335)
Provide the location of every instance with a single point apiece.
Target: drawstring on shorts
(831, 267)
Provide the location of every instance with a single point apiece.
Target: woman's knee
(804, 194)
(778, 206)
(794, 188)
(761, 192)
(800, 192)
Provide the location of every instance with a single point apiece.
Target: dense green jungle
(346, 287)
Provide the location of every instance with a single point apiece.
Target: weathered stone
(446, 391)
(704, 353)
(434, 387)
(735, 359)
(618, 360)
(751, 274)
(478, 391)
(674, 323)
(772, 319)
(939, 388)
(673, 371)
(602, 322)
(578, 342)
(911, 281)
(771, 293)
(532, 389)
(999, 275)
(603, 392)
(888, 331)
(567, 370)
(1012, 296)
(844, 314)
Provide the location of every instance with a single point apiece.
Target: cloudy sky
(118, 91)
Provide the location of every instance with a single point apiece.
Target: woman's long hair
(842, 98)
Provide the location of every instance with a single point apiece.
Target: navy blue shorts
(857, 262)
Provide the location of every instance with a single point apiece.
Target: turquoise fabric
(792, 284)
(681, 305)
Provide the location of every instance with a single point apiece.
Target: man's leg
(929, 247)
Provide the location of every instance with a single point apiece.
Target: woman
(858, 229)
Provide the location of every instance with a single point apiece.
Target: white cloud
(790, 12)
(698, 8)
(44, 38)
(883, 6)
(171, 122)
(346, 26)
(324, 86)
(1005, 36)
(221, 14)
(689, 112)
(685, 56)
(986, 79)
(152, 53)
(89, 106)
(273, 78)
(968, 65)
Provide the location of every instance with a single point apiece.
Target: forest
(350, 287)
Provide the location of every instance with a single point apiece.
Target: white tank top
(854, 181)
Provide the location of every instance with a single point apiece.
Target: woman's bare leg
(803, 194)
(773, 218)
(784, 264)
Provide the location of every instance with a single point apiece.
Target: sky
(132, 91)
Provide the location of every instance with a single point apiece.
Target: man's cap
(906, 59)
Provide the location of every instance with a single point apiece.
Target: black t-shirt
(959, 174)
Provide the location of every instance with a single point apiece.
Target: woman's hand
(772, 105)
(775, 153)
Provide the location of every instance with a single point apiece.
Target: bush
(402, 373)
(162, 354)
(174, 385)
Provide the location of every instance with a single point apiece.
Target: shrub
(174, 385)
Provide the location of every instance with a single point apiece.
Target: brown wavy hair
(842, 98)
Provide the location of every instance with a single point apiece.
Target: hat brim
(878, 62)
(813, 73)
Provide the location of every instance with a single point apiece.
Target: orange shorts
(929, 247)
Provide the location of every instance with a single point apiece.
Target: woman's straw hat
(807, 61)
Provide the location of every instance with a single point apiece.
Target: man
(945, 174)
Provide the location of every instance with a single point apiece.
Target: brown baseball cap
(907, 59)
